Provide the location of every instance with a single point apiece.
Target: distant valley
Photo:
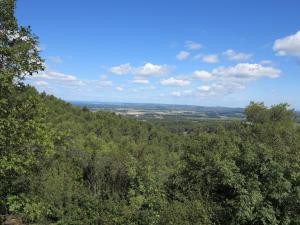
(152, 111)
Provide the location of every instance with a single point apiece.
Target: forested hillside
(101, 169)
(61, 164)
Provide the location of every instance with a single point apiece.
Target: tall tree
(23, 138)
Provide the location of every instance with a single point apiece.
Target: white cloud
(145, 88)
(192, 45)
(58, 79)
(204, 88)
(227, 80)
(222, 87)
(215, 89)
(182, 93)
(213, 58)
(140, 81)
(182, 55)
(202, 74)
(103, 81)
(55, 59)
(289, 45)
(121, 69)
(174, 82)
(148, 69)
(119, 88)
(51, 75)
(247, 70)
(70, 86)
(236, 56)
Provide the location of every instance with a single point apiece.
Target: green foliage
(247, 175)
(23, 137)
(119, 167)
(65, 165)
(185, 213)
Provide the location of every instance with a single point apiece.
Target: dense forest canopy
(61, 164)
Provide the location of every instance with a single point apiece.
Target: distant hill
(146, 111)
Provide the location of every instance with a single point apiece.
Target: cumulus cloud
(103, 81)
(121, 69)
(289, 45)
(213, 89)
(53, 79)
(192, 45)
(222, 87)
(148, 69)
(204, 88)
(210, 58)
(240, 71)
(236, 56)
(52, 75)
(202, 74)
(140, 81)
(182, 55)
(174, 82)
(213, 58)
(182, 93)
(227, 80)
(143, 88)
(247, 70)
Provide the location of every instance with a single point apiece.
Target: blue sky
(224, 53)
